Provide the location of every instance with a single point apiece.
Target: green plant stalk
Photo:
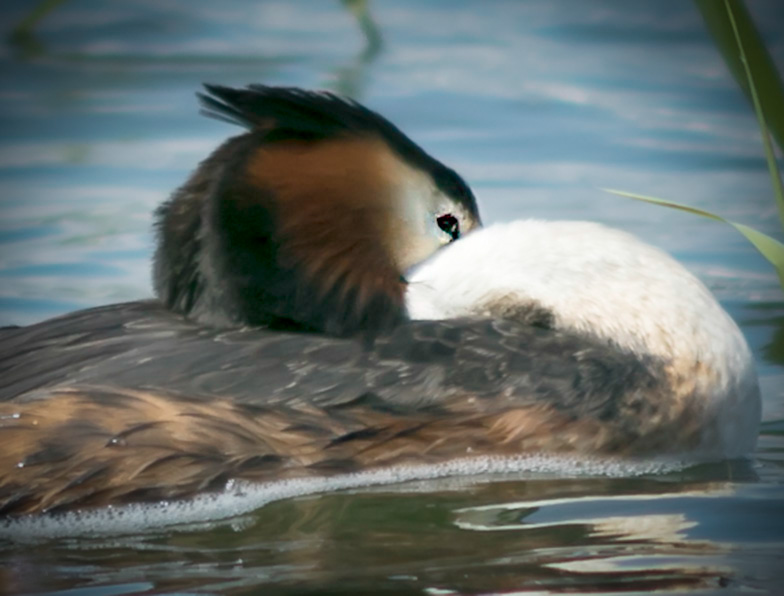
(769, 154)
(34, 17)
(729, 35)
(769, 87)
(768, 247)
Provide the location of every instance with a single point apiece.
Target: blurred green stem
(769, 154)
(725, 32)
(41, 9)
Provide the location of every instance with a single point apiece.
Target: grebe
(561, 337)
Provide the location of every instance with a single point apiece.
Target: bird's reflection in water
(589, 535)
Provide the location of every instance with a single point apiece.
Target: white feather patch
(608, 284)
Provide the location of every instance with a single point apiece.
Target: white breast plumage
(608, 284)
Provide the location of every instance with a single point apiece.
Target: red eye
(449, 224)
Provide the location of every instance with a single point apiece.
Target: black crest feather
(297, 113)
(290, 112)
(270, 108)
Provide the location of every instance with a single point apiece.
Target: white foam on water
(240, 497)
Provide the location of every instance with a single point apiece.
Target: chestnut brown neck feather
(288, 234)
(331, 229)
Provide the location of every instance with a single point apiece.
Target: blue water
(539, 105)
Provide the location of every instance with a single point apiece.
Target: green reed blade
(767, 81)
(753, 68)
(769, 247)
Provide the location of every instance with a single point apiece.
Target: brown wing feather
(132, 403)
(93, 446)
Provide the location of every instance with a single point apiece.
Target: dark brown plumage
(130, 403)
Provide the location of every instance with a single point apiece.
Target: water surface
(538, 104)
